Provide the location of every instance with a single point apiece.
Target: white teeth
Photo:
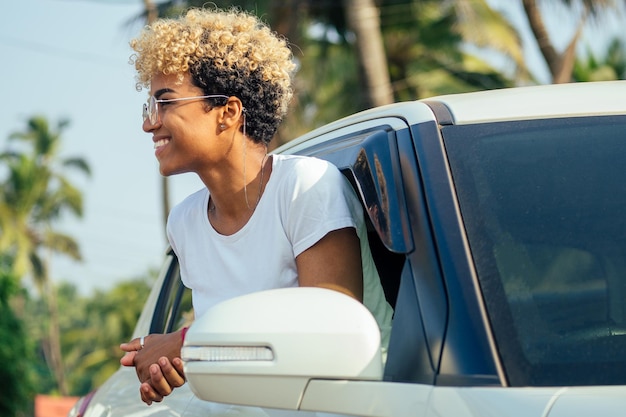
(160, 143)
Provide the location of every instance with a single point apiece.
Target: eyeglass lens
(150, 110)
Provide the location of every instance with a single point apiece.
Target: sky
(70, 59)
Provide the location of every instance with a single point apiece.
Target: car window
(174, 308)
(543, 206)
(180, 313)
(369, 159)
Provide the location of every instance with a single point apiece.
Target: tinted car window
(543, 206)
(174, 308)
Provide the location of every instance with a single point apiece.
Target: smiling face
(230, 51)
(184, 133)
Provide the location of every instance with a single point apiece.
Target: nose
(148, 126)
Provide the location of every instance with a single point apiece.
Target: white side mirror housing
(263, 348)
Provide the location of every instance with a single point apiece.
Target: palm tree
(34, 195)
(428, 41)
(93, 327)
(561, 64)
(611, 67)
(18, 393)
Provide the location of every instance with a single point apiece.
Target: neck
(236, 189)
(228, 214)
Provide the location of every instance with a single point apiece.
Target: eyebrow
(162, 91)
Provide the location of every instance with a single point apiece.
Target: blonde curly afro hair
(225, 52)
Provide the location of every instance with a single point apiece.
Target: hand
(158, 364)
(164, 377)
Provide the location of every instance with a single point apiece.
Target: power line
(108, 2)
(58, 52)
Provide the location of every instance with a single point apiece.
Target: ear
(232, 113)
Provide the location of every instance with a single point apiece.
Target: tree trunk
(560, 65)
(54, 354)
(151, 11)
(285, 19)
(568, 59)
(363, 18)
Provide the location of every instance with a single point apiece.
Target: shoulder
(300, 162)
(192, 203)
(305, 170)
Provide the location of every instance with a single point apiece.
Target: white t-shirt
(304, 199)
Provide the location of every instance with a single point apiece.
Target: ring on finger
(141, 341)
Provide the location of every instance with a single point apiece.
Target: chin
(168, 172)
(165, 172)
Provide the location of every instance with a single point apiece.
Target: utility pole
(152, 13)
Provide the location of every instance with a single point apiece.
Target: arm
(334, 262)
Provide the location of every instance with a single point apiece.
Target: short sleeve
(316, 202)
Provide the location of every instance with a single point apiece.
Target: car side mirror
(262, 349)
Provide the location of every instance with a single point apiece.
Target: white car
(498, 224)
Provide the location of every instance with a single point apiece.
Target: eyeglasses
(151, 108)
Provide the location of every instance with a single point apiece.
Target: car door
(378, 158)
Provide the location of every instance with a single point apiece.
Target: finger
(174, 379)
(144, 395)
(158, 382)
(144, 398)
(178, 365)
(128, 359)
(132, 346)
(148, 394)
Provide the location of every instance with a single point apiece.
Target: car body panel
(326, 391)
(533, 102)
